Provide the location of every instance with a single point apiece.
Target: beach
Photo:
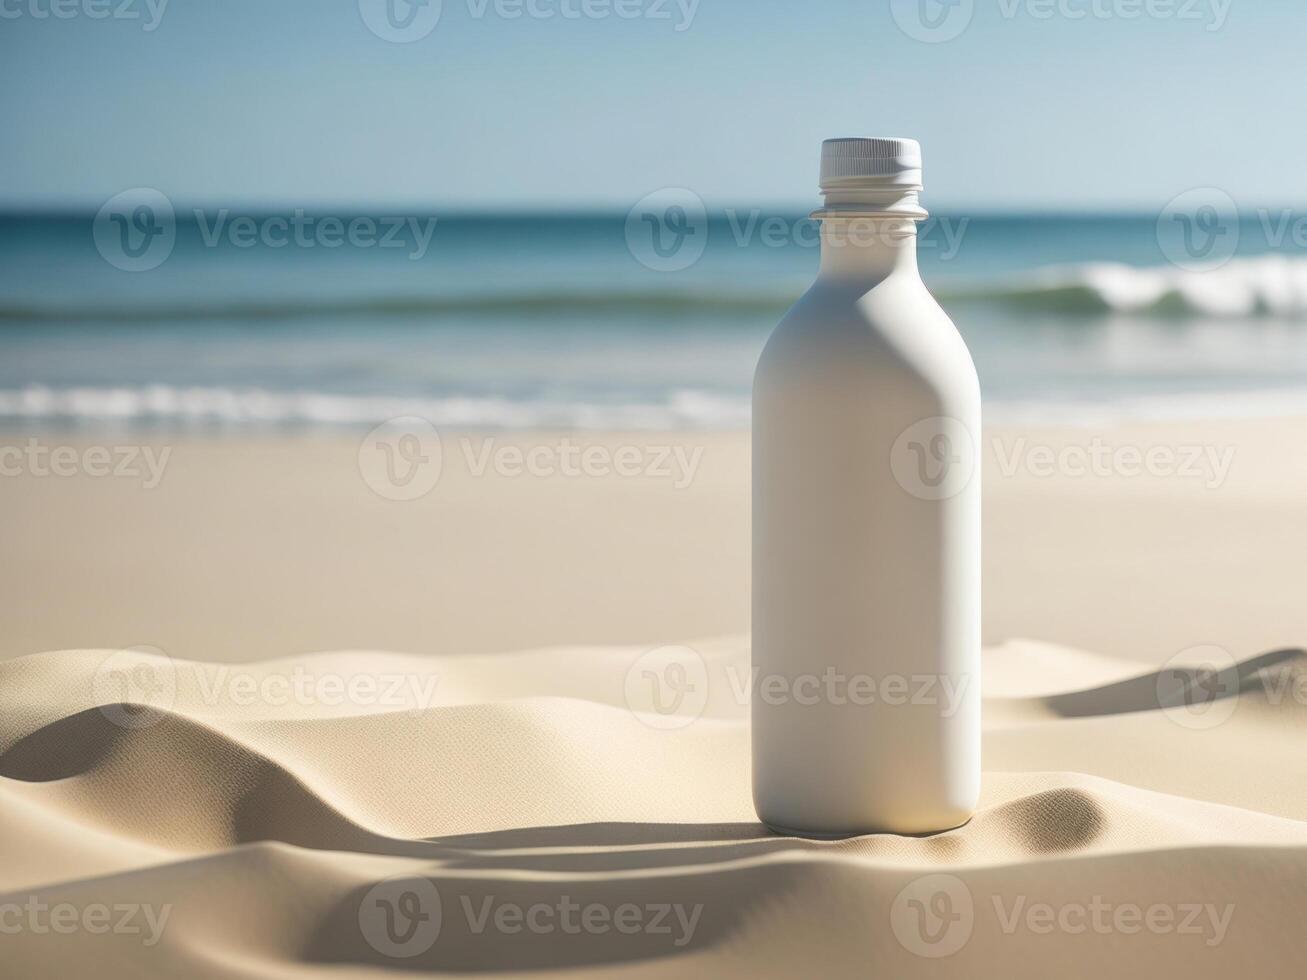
(256, 547)
(245, 698)
(503, 488)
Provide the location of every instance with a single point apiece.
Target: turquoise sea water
(577, 321)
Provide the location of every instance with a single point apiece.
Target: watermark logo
(400, 917)
(667, 230)
(400, 21)
(933, 916)
(932, 21)
(135, 230)
(934, 458)
(401, 459)
(667, 687)
(1198, 688)
(1199, 229)
(136, 686)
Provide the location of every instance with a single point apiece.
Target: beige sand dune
(1115, 836)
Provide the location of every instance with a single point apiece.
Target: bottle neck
(868, 247)
(867, 233)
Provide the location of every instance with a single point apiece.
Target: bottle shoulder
(829, 305)
(893, 325)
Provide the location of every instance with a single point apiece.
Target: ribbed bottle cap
(871, 161)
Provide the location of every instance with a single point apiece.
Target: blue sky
(1106, 104)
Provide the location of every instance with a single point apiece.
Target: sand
(260, 720)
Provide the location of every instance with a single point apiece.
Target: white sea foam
(1269, 285)
(226, 408)
(199, 407)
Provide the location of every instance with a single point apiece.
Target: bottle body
(866, 554)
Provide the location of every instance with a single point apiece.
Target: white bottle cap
(870, 162)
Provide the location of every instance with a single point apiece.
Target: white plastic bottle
(866, 529)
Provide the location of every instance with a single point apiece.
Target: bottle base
(783, 831)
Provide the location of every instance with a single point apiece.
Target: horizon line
(597, 209)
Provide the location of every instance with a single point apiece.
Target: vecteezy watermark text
(936, 459)
(1103, 918)
(136, 230)
(570, 917)
(944, 234)
(96, 918)
(570, 460)
(404, 458)
(1211, 14)
(301, 230)
(149, 12)
(403, 917)
(406, 21)
(934, 916)
(668, 230)
(135, 687)
(937, 21)
(681, 12)
(1102, 459)
(37, 459)
(834, 687)
(670, 687)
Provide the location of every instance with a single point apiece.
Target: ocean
(290, 321)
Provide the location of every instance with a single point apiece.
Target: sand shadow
(552, 897)
(614, 847)
(68, 747)
(611, 834)
(1171, 687)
